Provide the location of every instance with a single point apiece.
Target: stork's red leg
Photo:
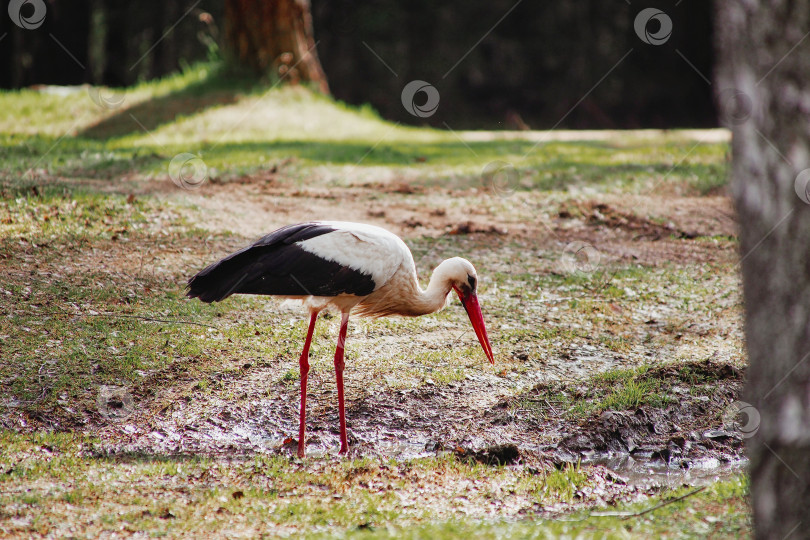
(344, 325)
(303, 366)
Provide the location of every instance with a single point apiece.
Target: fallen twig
(122, 315)
(631, 514)
(648, 510)
(151, 319)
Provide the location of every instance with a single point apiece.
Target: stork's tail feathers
(218, 281)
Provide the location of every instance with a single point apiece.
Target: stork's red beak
(470, 303)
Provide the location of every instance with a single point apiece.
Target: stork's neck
(434, 297)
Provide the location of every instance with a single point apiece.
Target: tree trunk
(763, 91)
(274, 35)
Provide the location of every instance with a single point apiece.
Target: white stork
(349, 266)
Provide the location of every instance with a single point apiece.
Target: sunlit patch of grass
(65, 109)
(241, 126)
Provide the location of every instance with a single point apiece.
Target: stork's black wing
(275, 265)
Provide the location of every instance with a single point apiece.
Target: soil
(692, 431)
(479, 417)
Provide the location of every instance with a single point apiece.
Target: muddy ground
(695, 430)
(522, 411)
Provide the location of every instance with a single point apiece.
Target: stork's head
(461, 275)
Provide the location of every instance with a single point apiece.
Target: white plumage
(365, 248)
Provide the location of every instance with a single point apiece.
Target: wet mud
(686, 437)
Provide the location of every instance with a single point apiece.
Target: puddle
(665, 444)
(645, 472)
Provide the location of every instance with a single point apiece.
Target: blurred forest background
(528, 71)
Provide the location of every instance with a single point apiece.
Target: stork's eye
(472, 281)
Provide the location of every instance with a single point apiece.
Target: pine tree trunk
(763, 90)
(274, 35)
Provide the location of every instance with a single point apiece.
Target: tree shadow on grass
(218, 88)
(99, 165)
(394, 153)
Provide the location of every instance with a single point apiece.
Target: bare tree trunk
(274, 35)
(763, 91)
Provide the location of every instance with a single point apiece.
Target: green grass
(442, 162)
(52, 214)
(68, 329)
(696, 517)
(619, 390)
(561, 484)
(47, 477)
(238, 126)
